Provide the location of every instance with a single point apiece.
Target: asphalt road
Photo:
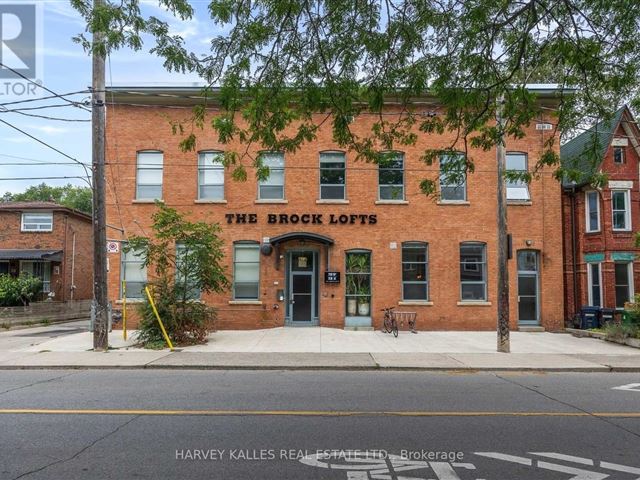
(134, 424)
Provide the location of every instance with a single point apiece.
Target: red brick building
(330, 241)
(51, 242)
(599, 223)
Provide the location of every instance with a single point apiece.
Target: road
(135, 424)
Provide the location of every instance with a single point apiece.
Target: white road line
(579, 473)
(620, 468)
(630, 387)
(561, 456)
(506, 458)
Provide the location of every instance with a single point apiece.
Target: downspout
(73, 264)
(64, 263)
(574, 248)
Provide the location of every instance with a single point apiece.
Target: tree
(77, 198)
(285, 67)
(186, 258)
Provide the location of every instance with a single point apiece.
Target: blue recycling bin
(589, 317)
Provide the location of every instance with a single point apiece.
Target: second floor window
(517, 189)
(618, 155)
(149, 175)
(415, 271)
(37, 222)
(473, 272)
(620, 207)
(272, 188)
(453, 177)
(332, 176)
(391, 177)
(210, 176)
(246, 271)
(592, 203)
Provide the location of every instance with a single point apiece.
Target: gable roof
(578, 153)
(22, 206)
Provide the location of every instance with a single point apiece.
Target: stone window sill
(474, 304)
(519, 203)
(453, 202)
(130, 300)
(392, 202)
(271, 201)
(332, 202)
(147, 200)
(416, 303)
(245, 302)
(210, 201)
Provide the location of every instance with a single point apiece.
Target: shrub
(181, 275)
(617, 331)
(16, 291)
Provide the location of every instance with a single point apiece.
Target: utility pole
(100, 298)
(503, 272)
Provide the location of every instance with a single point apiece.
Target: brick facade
(605, 244)
(66, 224)
(534, 225)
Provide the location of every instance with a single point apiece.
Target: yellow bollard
(155, 310)
(124, 310)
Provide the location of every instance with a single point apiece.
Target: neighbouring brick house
(599, 237)
(330, 241)
(51, 242)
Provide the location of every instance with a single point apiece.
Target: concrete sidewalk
(324, 348)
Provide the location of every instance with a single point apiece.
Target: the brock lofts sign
(305, 218)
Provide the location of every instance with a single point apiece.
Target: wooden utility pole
(503, 272)
(100, 298)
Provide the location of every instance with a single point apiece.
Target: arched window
(149, 175)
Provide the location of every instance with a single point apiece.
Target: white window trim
(520, 184)
(284, 180)
(442, 200)
(590, 282)
(252, 244)
(22, 229)
(202, 168)
(627, 207)
(155, 167)
(404, 180)
(344, 184)
(586, 210)
(621, 148)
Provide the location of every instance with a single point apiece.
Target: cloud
(50, 129)
(64, 10)
(16, 139)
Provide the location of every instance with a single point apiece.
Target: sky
(67, 68)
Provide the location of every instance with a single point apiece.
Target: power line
(46, 117)
(45, 88)
(41, 178)
(39, 99)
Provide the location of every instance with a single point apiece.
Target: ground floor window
(4, 268)
(185, 279)
(414, 271)
(246, 271)
(594, 278)
(133, 274)
(624, 283)
(358, 283)
(39, 269)
(473, 272)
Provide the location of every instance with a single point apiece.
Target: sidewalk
(324, 348)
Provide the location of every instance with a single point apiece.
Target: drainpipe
(574, 253)
(63, 267)
(73, 264)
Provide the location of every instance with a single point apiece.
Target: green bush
(616, 331)
(17, 291)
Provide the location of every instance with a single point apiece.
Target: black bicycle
(390, 323)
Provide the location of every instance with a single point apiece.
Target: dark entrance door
(302, 287)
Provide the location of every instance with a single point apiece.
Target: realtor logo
(19, 39)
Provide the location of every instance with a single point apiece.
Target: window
(358, 283)
(4, 268)
(624, 283)
(133, 274)
(592, 204)
(453, 177)
(517, 189)
(391, 176)
(473, 272)
(246, 271)
(149, 176)
(37, 222)
(210, 176)
(620, 210)
(332, 176)
(618, 155)
(273, 186)
(415, 271)
(186, 279)
(594, 278)
(39, 269)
